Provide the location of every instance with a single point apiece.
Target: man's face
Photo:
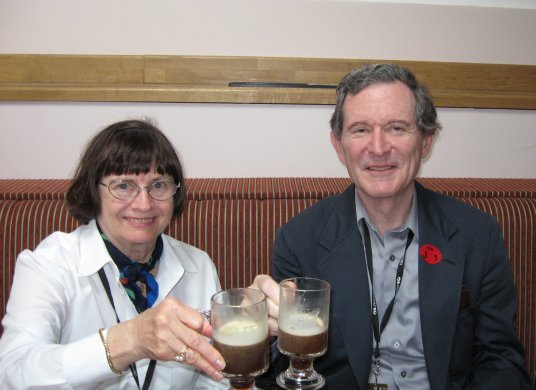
(380, 144)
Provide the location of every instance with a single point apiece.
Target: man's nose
(379, 142)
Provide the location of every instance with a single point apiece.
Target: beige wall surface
(43, 140)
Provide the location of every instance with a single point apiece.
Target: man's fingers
(273, 326)
(273, 309)
(268, 286)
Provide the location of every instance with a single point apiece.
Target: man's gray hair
(357, 80)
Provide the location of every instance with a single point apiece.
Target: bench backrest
(235, 222)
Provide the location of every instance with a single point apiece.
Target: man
(433, 270)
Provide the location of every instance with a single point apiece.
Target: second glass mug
(239, 319)
(303, 330)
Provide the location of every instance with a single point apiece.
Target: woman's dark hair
(357, 80)
(127, 147)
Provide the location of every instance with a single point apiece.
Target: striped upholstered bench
(235, 221)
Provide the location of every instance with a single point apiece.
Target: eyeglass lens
(160, 190)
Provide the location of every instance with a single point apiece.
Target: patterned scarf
(132, 272)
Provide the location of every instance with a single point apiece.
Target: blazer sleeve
(497, 353)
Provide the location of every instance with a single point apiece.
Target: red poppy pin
(430, 254)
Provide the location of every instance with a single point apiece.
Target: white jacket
(57, 304)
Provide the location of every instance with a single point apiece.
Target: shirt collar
(411, 221)
(93, 252)
(95, 255)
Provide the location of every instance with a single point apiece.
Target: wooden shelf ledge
(190, 79)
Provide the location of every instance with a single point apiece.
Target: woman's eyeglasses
(126, 190)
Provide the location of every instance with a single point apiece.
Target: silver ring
(181, 357)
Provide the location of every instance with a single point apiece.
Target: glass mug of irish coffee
(303, 330)
(239, 319)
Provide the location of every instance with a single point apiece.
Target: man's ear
(427, 143)
(336, 142)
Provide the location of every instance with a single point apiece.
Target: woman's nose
(143, 199)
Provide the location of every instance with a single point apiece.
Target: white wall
(43, 140)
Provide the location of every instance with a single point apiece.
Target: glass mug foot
(292, 380)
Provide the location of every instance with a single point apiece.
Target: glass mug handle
(205, 313)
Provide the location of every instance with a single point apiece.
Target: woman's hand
(271, 289)
(165, 332)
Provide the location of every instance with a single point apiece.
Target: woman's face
(133, 225)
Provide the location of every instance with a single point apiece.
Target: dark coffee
(244, 359)
(303, 345)
(244, 345)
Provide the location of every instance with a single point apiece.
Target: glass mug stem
(304, 365)
(243, 383)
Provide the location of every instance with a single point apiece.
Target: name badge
(379, 386)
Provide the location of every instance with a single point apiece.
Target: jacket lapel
(439, 286)
(344, 268)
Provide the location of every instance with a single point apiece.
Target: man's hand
(271, 289)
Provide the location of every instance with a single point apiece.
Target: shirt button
(392, 257)
(396, 344)
(403, 374)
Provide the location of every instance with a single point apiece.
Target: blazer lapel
(439, 286)
(345, 269)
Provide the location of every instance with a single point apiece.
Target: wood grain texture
(205, 79)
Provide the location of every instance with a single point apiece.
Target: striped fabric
(235, 222)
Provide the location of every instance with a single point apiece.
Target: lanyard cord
(132, 366)
(378, 329)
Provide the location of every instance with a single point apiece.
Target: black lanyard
(376, 326)
(132, 366)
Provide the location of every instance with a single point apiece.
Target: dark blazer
(469, 341)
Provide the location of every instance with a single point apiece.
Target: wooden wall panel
(70, 69)
(206, 80)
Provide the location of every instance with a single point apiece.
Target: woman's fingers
(194, 339)
(194, 358)
(173, 331)
(188, 332)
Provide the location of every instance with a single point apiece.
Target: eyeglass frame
(140, 189)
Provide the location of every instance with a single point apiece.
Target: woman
(111, 305)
